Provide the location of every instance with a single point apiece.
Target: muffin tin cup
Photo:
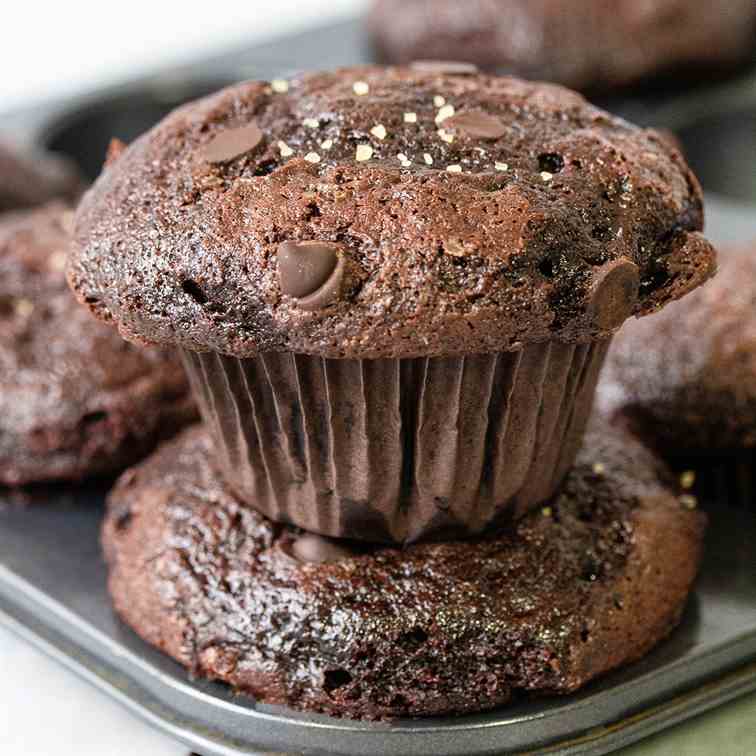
(397, 450)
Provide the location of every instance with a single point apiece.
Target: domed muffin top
(387, 212)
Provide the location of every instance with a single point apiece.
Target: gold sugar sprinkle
(546, 176)
(428, 158)
(327, 144)
(501, 166)
(379, 131)
(410, 117)
(311, 123)
(687, 479)
(547, 511)
(599, 468)
(23, 308)
(364, 152)
(360, 88)
(689, 501)
(445, 135)
(454, 168)
(279, 85)
(447, 111)
(57, 260)
(312, 157)
(285, 150)
(439, 101)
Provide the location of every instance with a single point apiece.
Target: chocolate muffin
(28, 180)
(685, 382)
(685, 379)
(586, 44)
(394, 288)
(75, 399)
(589, 583)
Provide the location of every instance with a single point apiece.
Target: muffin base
(369, 632)
(396, 451)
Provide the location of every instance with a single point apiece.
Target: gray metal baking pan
(52, 578)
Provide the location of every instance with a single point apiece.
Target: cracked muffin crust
(590, 582)
(463, 213)
(75, 399)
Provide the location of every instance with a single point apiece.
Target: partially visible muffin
(685, 379)
(590, 583)
(393, 287)
(75, 399)
(27, 180)
(586, 44)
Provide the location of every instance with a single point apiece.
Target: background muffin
(394, 287)
(586, 44)
(75, 399)
(28, 180)
(686, 378)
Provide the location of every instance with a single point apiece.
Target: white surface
(64, 47)
(60, 47)
(45, 710)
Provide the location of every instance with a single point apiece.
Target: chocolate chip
(444, 67)
(231, 143)
(311, 272)
(314, 548)
(613, 293)
(550, 162)
(476, 124)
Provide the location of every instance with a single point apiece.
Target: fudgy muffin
(394, 288)
(586, 44)
(685, 382)
(75, 399)
(28, 180)
(589, 583)
(685, 379)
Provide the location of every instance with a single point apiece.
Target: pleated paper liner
(397, 450)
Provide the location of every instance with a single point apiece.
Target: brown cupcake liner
(397, 450)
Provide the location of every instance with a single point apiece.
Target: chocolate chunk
(310, 271)
(231, 143)
(314, 548)
(477, 124)
(444, 66)
(613, 293)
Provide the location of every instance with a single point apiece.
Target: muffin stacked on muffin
(393, 290)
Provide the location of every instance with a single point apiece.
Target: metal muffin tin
(52, 577)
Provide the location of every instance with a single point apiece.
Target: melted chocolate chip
(444, 66)
(613, 293)
(477, 124)
(231, 143)
(311, 272)
(314, 548)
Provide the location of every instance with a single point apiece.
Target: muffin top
(387, 212)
